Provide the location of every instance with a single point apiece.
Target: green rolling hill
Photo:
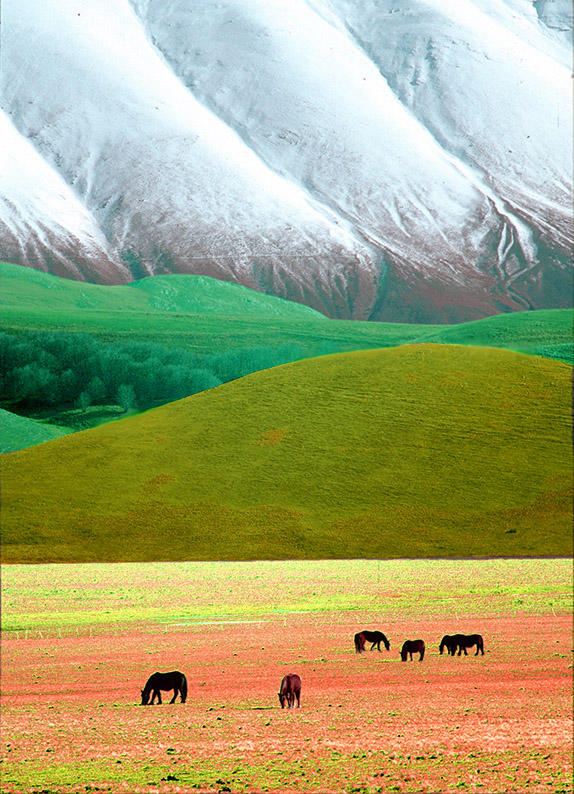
(33, 293)
(18, 432)
(416, 451)
(209, 316)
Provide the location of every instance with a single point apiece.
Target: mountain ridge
(310, 150)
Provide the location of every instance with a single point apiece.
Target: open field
(416, 451)
(79, 642)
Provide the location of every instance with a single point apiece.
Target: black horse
(290, 690)
(164, 681)
(465, 641)
(413, 646)
(374, 637)
(449, 642)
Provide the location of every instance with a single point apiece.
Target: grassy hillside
(418, 451)
(209, 316)
(18, 432)
(34, 292)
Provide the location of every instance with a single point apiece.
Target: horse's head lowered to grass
(158, 682)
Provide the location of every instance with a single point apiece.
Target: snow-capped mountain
(393, 159)
(43, 222)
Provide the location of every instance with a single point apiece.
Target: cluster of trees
(57, 370)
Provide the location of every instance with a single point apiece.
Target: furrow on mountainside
(534, 193)
(398, 160)
(173, 187)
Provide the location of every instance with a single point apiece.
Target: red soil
(501, 722)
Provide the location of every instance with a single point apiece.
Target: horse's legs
(175, 694)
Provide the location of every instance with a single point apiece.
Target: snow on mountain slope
(544, 24)
(351, 143)
(398, 159)
(173, 187)
(454, 65)
(42, 223)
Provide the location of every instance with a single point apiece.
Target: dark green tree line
(53, 370)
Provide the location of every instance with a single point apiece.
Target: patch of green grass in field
(418, 451)
(209, 316)
(49, 597)
(18, 432)
(316, 770)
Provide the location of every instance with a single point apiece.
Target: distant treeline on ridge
(48, 370)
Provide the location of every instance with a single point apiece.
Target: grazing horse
(164, 681)
(374, 637)
(290, 690)
(413, 646)
(465, 641)
(449, 642)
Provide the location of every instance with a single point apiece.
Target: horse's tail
(480, 644)
(183, 688)
(359, 643)
(441, 646)
(422, 651)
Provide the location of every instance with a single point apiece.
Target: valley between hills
(357, 440)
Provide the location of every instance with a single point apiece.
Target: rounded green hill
(415, 451)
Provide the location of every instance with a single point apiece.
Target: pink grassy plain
(368, 723)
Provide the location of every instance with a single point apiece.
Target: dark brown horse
(449, 642)
(413, 646)
(374, 637)
(465, 641)
(164, 681)
(290, 690)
